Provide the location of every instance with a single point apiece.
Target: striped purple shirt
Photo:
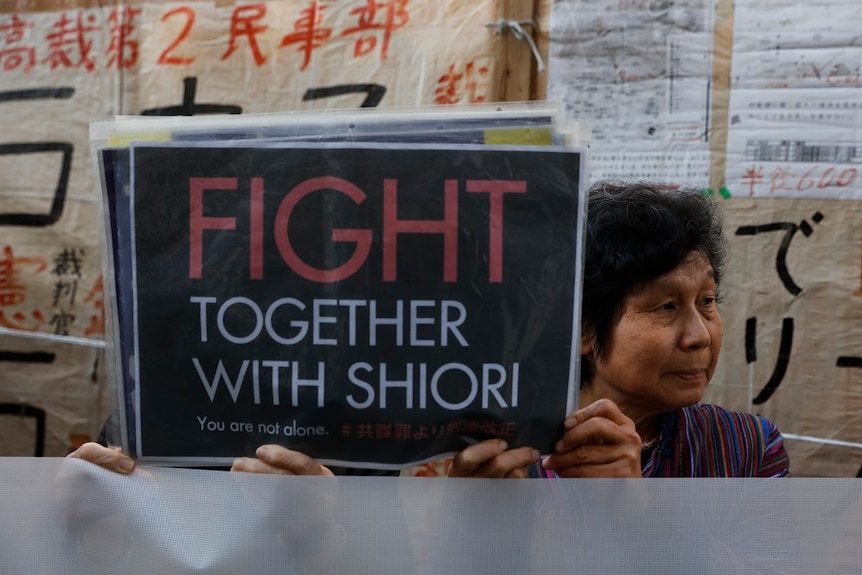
(711, 441)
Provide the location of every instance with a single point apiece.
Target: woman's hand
(491, 458)
(279, 460)
(111, 458)
(599, 441)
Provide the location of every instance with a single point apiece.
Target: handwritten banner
(793, 326)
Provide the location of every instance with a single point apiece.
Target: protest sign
(67, 63)
(370, 305)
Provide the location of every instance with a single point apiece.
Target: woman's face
(664, 348)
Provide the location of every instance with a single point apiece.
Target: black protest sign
(370, 306)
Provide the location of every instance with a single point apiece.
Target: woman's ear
(587, 344)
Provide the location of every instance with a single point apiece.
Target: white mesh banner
(69, 517)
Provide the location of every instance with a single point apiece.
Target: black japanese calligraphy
(45, 147)
(189, 107)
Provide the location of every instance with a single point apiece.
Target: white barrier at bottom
(60, 516)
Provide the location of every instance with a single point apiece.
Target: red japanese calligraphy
(829, 178)
(394, 16)
(68, 43)
(95, 298)
(402, 431)
(13, 54)
(783, 179)
(19, 320)
(122, 50)
(242, 23)
(166, 57)
(309, 33)
(778, 179)
(468, 86)
(383, 431)
(12, 292)
(753, 176)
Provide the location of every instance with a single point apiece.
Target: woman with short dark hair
(651, 336)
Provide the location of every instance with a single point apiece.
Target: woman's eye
(667, 306)
(709, 301)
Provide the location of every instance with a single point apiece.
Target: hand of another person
(599, 441)
(279, 460)
(111, 458)
(492, 458)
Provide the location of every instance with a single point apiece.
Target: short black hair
(636, 232)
